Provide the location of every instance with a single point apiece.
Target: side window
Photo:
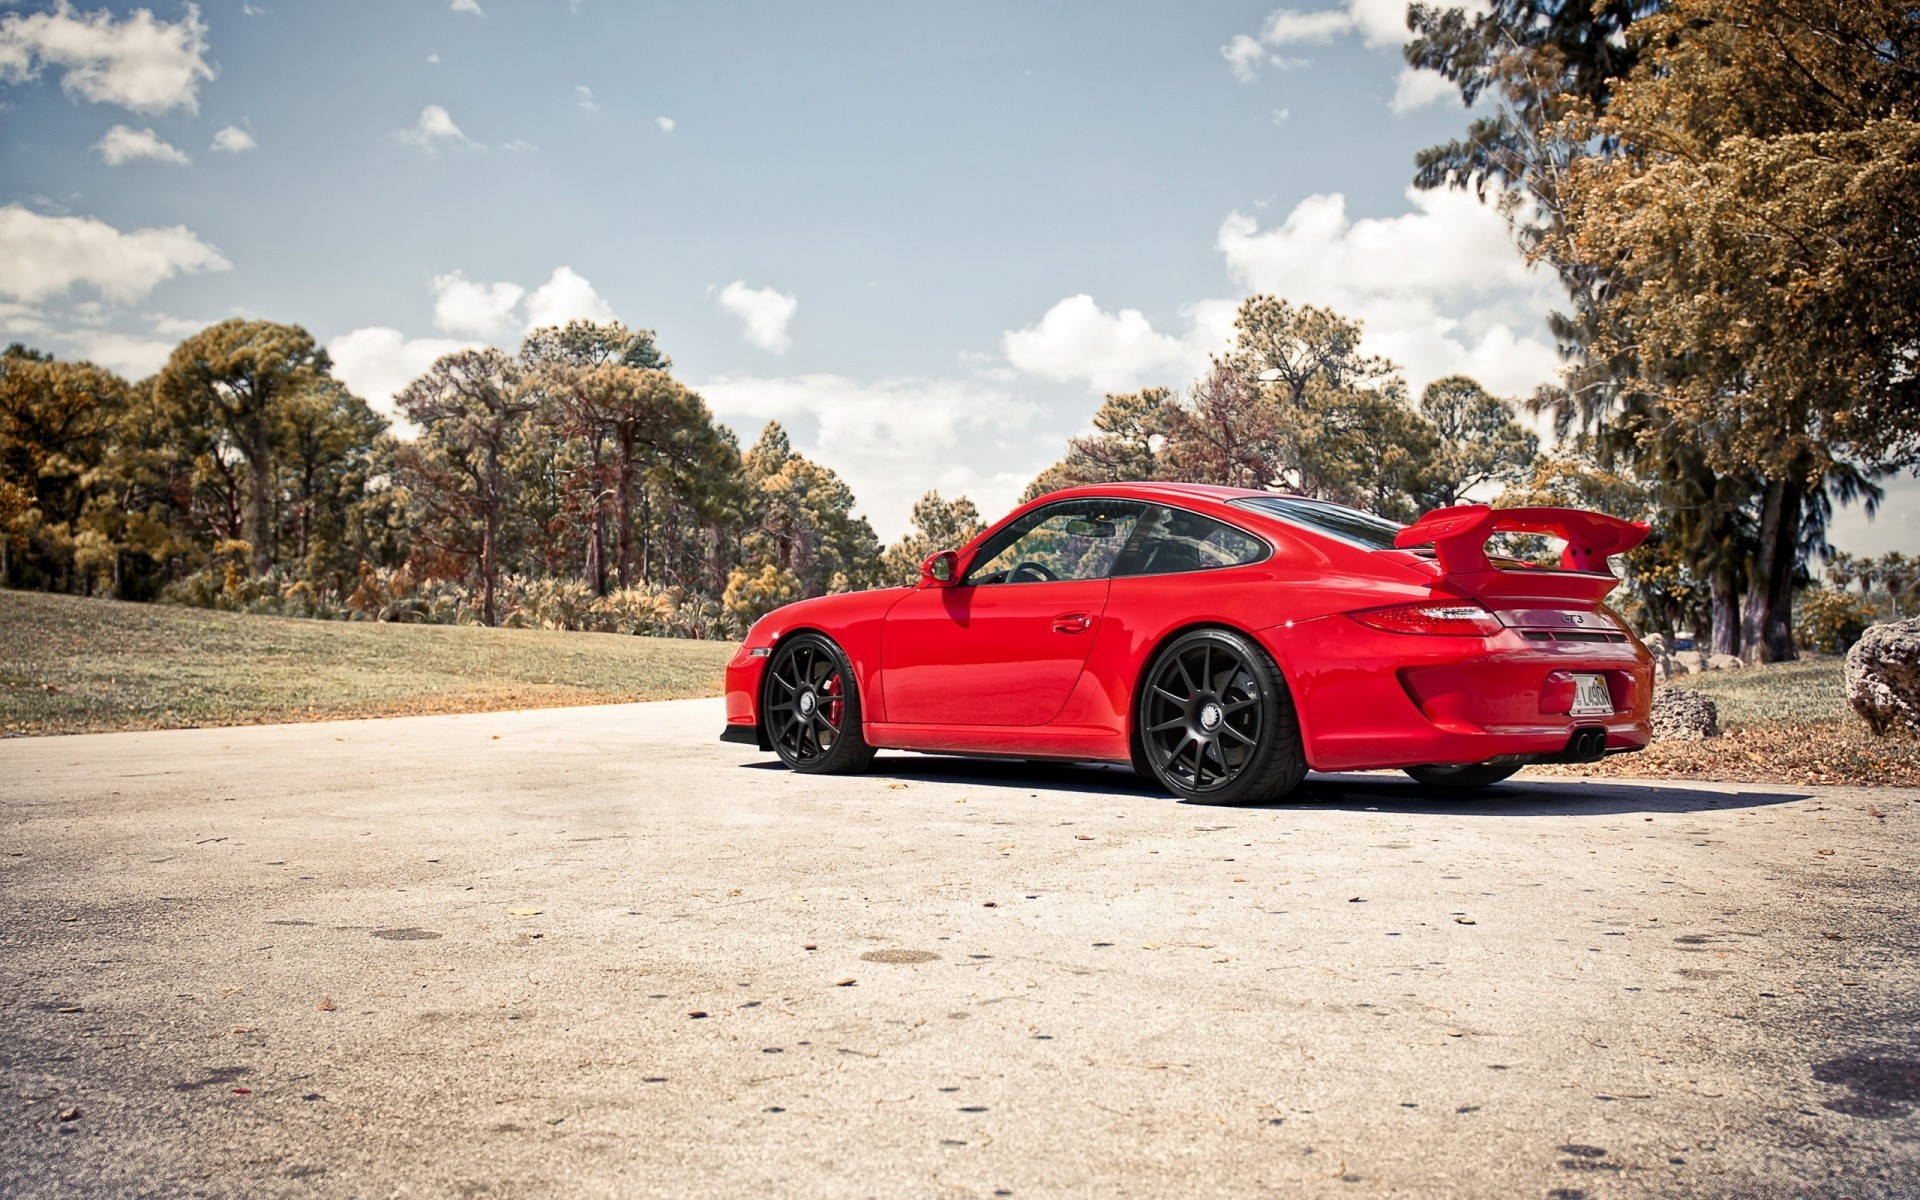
(1173, 540)
(1075, 539)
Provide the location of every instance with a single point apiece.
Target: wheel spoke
(1230, 707)
(1184, 674)
(1163, 726)
(1236, 733)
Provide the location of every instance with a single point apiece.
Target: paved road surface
(594, 952)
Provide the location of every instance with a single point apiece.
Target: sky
(925, 238)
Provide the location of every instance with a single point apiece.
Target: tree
(471, 409)
(243, 373)
(1130, 436)
(1479, 441)
(325, 437)
(1530, 66)
(58, 423)
(557, 360)
(1895, 571)
(804, 522)
(1224, 432)
(1756, 229)
(1294, 405)
(937, 525)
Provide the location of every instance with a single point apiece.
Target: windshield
(1347, 524)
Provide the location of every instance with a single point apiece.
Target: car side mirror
(940, 569)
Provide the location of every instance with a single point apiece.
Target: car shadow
(1382, 792)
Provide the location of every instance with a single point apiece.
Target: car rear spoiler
(1459, 539)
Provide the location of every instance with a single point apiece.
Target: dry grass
(78, 666)
(1788, 723)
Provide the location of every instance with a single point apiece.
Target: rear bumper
(1370, 700)
(746, 735)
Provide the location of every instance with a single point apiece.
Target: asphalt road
(595, 952)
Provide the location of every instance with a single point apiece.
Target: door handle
(1077, 622)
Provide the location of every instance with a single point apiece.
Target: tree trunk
(1769, 615)
(623, 505)
(1726, 612)
(489, 532)
(259, 523)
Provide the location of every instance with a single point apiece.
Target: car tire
(1215, 722)
(1464, 778)
(810, 708)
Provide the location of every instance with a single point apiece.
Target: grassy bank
(1786, 723)
(74, 666)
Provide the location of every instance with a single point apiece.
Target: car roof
(1157, 490)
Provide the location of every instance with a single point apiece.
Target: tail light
(1458, 620)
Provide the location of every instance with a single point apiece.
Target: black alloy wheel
(1216, 723)
(811, 707)
(1466, 778)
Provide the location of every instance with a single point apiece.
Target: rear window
(1347, 524)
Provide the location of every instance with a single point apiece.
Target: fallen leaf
(523, 912)
(70, 1114)
(1463, 920)
(697, 1014)
(896, 787)
(844, 983)
(242, 1091)
(1823, 852)
(991, 904)
(1082, 837)
(1149, 945)
(810, 946)
(70, 1008)
(327, 1005)
(733, 891)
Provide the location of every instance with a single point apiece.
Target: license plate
(1591, 697)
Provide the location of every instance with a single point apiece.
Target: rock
(1656, 644)
(1684, 715)
(1725, 662)
(1689, 662)
(1883, 676)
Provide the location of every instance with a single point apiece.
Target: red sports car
(1224, 642)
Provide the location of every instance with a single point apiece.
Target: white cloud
(1378, 22)
(467, 6)
(565, 296)
(1245, 56)
(234, 140)
(764, 312)
(894, 439)
(124, 145)
(434, 59)
(131, 355)
(1440, 288)
(141, 63)
(1290, 26)
(518, 146)
(480, 310)
(584, 95)
(42, 257)
(1416, 87)
(435, 128)
(1077, 340)
(376, 362)
(665, 123)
